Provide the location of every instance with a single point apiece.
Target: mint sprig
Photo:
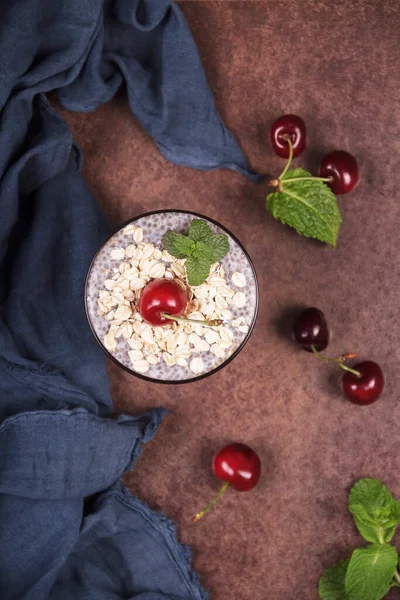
(372, 570)
(201, 248)
(306, 203)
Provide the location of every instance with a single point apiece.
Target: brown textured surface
(336, 64)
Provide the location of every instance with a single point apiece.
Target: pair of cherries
(362, 384)
(339, 167)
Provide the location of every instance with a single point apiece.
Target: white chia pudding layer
(175, 352)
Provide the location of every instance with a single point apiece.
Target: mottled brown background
(335, 63)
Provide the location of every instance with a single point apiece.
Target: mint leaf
(200, 231)
(375, 511)
(220, 246)
(396, 511)
(201, 245)
(197, 269)
(374, 497)
(309, 206)
(370, 572)
(331, 584)
(203, 251)
(178, 245)
(374, 534)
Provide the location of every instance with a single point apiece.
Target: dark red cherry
(367, 388)
(342, 167)
(311, 329)
(239, 465)
(288, 126)
(162, 296)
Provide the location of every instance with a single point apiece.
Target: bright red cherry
(343, 168)
(366, 388)
(162, 296)
(311, 329)
(293, 127)
(239, 466)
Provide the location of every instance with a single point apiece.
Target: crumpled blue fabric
(59, 442)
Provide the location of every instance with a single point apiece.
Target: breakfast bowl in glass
(219, 315)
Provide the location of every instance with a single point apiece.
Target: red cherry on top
(342, 167)
(290, 126)
(162, 296)
(239, 465)
(367, 388)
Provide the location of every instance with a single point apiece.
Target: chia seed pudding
(176, 352)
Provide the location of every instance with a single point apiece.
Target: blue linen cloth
(58, 440)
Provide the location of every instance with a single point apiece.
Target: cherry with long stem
(164, 300)
(239, 467)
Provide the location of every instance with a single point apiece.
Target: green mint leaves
(331, 585)
(306, 204)
(178, 245)
(372, 570)
(197, 269)
(219, 245)
(201, 248)
(375, 511)
(199, 231)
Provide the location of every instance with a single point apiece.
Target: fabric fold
(162, 564)
(69, 454)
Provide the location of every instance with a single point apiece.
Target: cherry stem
(339, 360)
(212, 503)
(327, 179)
(210, 323)
(278, 182)
(289, 141)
